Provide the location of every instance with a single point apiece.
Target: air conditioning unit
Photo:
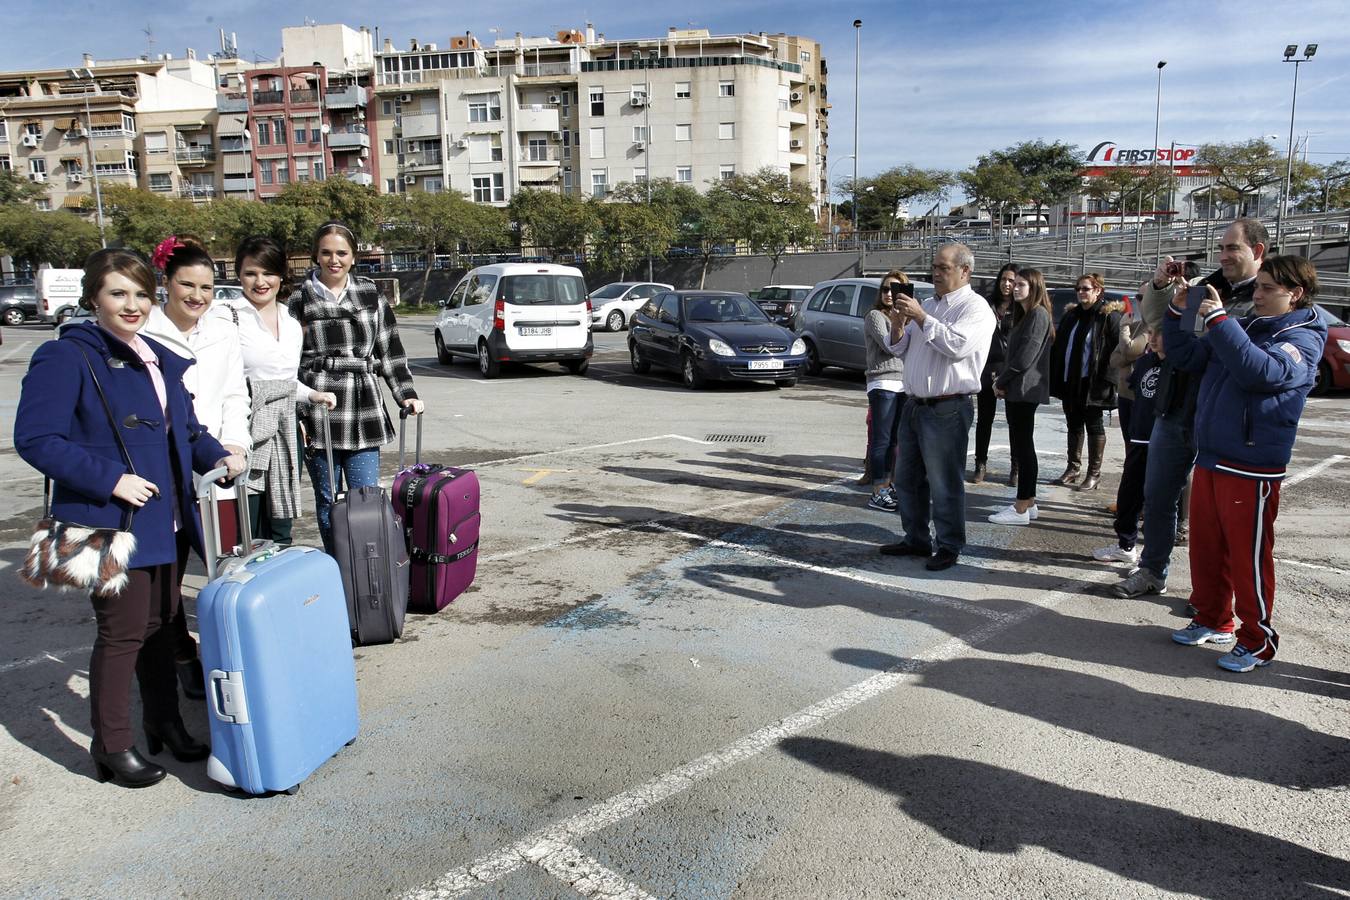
(405, 98)
(555, 99)
(77, 133)
(410, 179)
(796, 96)
(638, 100)
(29, 140)
(37, 176)
(557, 135)
(76, 177)
(796, 144)
(462, 143)
(640, 146)
(365, 152)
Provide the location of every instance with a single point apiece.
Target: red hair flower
(164, 251)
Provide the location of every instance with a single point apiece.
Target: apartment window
(599, 182)
(726, 131)
(4, 130)
(485, 108)
(264, 134)
(389, 148)
(597, 95)
(537, 150)
(267, 168)
(640, 133)
(488, 188)
(301, 133)
(784, 139)
(684, 132)
(37, 166)
(302, 170)
(390, 184)
(283, 172)
(567, 181)
(156, 142)
(315, 132)
(73, 166)
(495, 148)
(806, 56)
(128, 124)
(683, 90)
(161, 181)
(43, 204)
(567, 141)
(433, 185)
(726, 171)
(319, 174)
(783, 98)
(279, 130)
(388, 107)
(640, 176)
(726, 89)
(5, 164)
(33, 129)
(597, 143)
(684, 174)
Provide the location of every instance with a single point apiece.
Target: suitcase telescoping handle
(328, 449)
(209, 507)
(403, 414)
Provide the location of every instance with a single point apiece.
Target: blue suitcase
(277, 655)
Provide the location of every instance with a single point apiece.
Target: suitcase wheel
(349, 743)
(292, 790)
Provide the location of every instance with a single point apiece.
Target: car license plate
(535, 332)
(757, 365)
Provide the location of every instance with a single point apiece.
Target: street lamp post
(87, 74)
(1289, 52)
(857, 53)
(1153, 167)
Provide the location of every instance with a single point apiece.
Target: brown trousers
(134, 637)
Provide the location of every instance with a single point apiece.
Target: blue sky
(941, 82)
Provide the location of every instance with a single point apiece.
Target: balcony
(537, 117)
(421, 125)
(548, 70)
(537, 155)
(350, 97)
(303, 96)
(231, 103)
(353, 137)
(197, 192)
(234, 144)
(194, 156)
(362, 178)
(412, 161)
(268, 98)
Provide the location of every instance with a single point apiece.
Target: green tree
(769, 211)
(1241, 169)
(1327, 187)
(141, 219)
(357, 206)
(1050, 173)
(881, 196)
(993, 182)
(433, 223)
(60, 238)
(629, 230)
(17, 189)
(1128, 186)
(553, 221)
(715, 224)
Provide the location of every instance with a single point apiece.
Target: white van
(58, 293)
(517, 312)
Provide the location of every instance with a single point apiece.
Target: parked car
(228, 293)
(614, 304)
(1062, 298)
(831, 322)
(18, 303)
(713, 335)
(517, 312)
(1334, 369)
(780, 301)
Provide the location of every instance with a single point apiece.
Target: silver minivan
(831, 321)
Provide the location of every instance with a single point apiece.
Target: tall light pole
(1308, 52)
(829, 192)
(857, 54)
(87, 74)
(1153, 168)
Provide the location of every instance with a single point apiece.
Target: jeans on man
(1171, 455)
(930, 472)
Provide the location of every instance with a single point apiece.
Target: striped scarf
(273, 464)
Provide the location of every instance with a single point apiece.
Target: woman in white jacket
(187, 324)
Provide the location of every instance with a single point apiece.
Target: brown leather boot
(1012, 474)
(1075, 459)
(1096, 450)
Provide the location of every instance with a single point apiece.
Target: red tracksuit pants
(1233, 556)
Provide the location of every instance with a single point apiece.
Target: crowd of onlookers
(1207, 377)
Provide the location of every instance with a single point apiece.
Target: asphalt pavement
(684, 671)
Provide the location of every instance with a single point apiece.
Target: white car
(614, 304)
(517, 312)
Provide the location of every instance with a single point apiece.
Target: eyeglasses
(1086, 287)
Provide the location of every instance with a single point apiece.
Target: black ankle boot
(183, 746)
(978, 476)
(126, 768)
(191, 678)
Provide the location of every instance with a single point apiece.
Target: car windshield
(610, 290)
(544, 289)
(797, 295)
(722, 308)
(1327, 318)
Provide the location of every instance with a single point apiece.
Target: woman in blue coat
(1258, 371)
(63, 430)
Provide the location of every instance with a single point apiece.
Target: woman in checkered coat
(350, 342)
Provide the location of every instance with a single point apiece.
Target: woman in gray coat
(1024, 384)
(885, 388)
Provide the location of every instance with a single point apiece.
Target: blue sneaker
(1195, 634)
(1240, 659)
(883, 501)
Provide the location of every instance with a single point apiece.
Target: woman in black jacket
(986, 404)
(1080, 376)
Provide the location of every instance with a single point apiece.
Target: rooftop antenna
(149, 40)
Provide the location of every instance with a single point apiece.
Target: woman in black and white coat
(350, 338)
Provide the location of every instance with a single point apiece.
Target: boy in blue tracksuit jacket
(1258, 371)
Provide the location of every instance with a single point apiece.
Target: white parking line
(584, 875)
(1313, 471)
(44, 656)
(440, 370)
(490, 868)
(1307, 565)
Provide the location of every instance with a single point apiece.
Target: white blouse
(216, 383)
(266, 357)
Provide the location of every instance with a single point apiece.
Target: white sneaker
(1011, 516)
(1113, 553)
(1033, 512)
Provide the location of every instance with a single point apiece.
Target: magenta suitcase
(439, 509)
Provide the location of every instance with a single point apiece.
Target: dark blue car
(713, 335)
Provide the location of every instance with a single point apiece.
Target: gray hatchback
(831, 321)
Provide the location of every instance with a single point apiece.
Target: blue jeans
(1171, 454)
(930, 472)
(356, 468)
(885, 406)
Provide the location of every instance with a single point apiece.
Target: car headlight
(721, 348)
(1344, 345)
(798, 347)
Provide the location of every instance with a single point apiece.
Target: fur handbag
(65, 555)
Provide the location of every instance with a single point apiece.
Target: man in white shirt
(944, 343)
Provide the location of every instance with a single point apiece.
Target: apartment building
(579, 114)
